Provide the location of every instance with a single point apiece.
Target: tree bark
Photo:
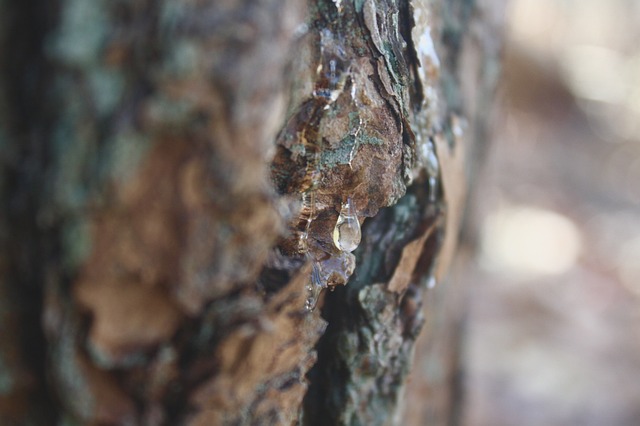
(174, 178)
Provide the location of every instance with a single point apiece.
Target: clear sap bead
(433, 189)
(433, 169)
(346, 233)
(430, 159)
(314, 288)
(313, 294)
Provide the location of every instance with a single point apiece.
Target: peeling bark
(171, 176)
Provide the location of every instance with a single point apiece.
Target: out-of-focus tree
(180, 181)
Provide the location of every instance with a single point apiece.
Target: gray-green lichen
(124, 153)
(339, 156)
(107, 86)
(83, 30)
(74, 143)
(183, 59)
(76, 242)
(88, 53)
(173, 113)
(70, 377)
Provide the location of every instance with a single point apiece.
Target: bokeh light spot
(530, 241)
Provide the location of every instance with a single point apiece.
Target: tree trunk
(181, 182)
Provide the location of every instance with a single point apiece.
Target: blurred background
(553, 334)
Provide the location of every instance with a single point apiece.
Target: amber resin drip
(314, 287)
(329, 268)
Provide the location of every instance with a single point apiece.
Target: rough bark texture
(170, 176)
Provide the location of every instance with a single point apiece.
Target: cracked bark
(170, 178)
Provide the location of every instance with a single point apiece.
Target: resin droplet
(346, 234)
(432, 166)
(314, 288)
(312, 297)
